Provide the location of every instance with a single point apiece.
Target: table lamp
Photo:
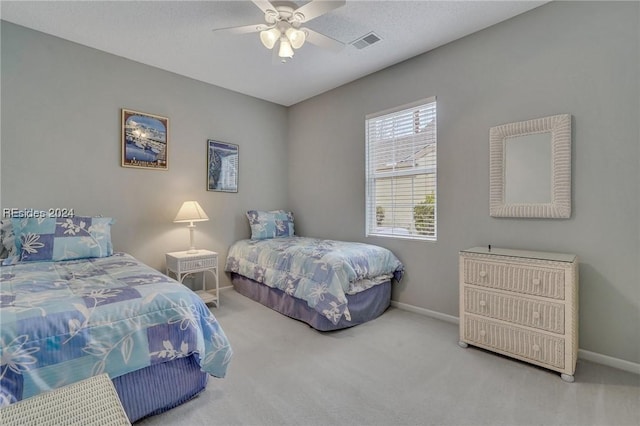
(191, 212)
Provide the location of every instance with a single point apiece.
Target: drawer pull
(483, 333)
(536, 315)
(483, 274)
(536, 281)
(483, 303)
(535, 348)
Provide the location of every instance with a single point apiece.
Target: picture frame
(144, 140)
(222, 166)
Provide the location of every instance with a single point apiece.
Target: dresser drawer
(533, 313)
(522, 343)
(526, 279)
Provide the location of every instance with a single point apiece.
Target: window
(401, 171)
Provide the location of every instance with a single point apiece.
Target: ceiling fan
(283, 23)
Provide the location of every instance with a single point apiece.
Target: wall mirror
(530, 168)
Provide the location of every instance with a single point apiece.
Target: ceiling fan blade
(316, 8)
(264, 5)
(322, 40)
(246, 29)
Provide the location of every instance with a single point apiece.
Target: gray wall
(61, 145)
(577, 58)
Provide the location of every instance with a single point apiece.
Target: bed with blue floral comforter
(320, 272)
(69, 320)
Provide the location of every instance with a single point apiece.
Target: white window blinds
(401, 171)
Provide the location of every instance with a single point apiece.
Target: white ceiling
(177, 36)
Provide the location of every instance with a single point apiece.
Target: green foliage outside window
(379, 215)
(424, 217)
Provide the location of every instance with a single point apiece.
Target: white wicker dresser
(522, 304)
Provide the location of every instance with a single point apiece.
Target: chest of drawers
(522, 304)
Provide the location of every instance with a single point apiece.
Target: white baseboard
(609, 361)
(426, 312)
(226, 287)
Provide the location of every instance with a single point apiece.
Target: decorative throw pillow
(273, 224)
(62, 238)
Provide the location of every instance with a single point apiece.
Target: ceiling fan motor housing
(284, 14)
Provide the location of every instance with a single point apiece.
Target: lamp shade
(269, 37)
(285, 48)
(296, 37)
(191, 212)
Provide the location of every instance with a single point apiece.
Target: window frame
(429, 171)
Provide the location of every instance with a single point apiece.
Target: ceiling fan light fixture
(269, 37)
(285, 48)
(296, 37)
(284, 21)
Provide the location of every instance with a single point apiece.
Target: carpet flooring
(400, 369)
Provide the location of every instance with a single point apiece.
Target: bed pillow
(7, 240)
(54, 239)
(273, 224)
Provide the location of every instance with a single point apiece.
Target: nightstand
(182, 263)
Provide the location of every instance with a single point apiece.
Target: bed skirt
(160, 387)
(363, 306)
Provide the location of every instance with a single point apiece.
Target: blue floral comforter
(66, 321)
(317, 271)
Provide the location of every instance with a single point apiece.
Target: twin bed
(71, 315)
(71, 308)
(327, 284)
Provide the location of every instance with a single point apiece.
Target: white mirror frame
(560, 205)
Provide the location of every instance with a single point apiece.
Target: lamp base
(192, 246)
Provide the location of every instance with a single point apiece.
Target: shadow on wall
(599, 300)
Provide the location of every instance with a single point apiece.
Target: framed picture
(144, 140)
(222, 166)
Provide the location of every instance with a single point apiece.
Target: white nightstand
(181, 264)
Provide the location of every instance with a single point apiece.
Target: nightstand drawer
(187, 265)
(527, 279)
(511, 340)
(519, 310)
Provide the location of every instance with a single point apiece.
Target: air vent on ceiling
(366, 40)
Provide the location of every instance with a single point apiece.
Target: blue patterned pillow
(274, 224)
(62, 239)
(7, 241)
